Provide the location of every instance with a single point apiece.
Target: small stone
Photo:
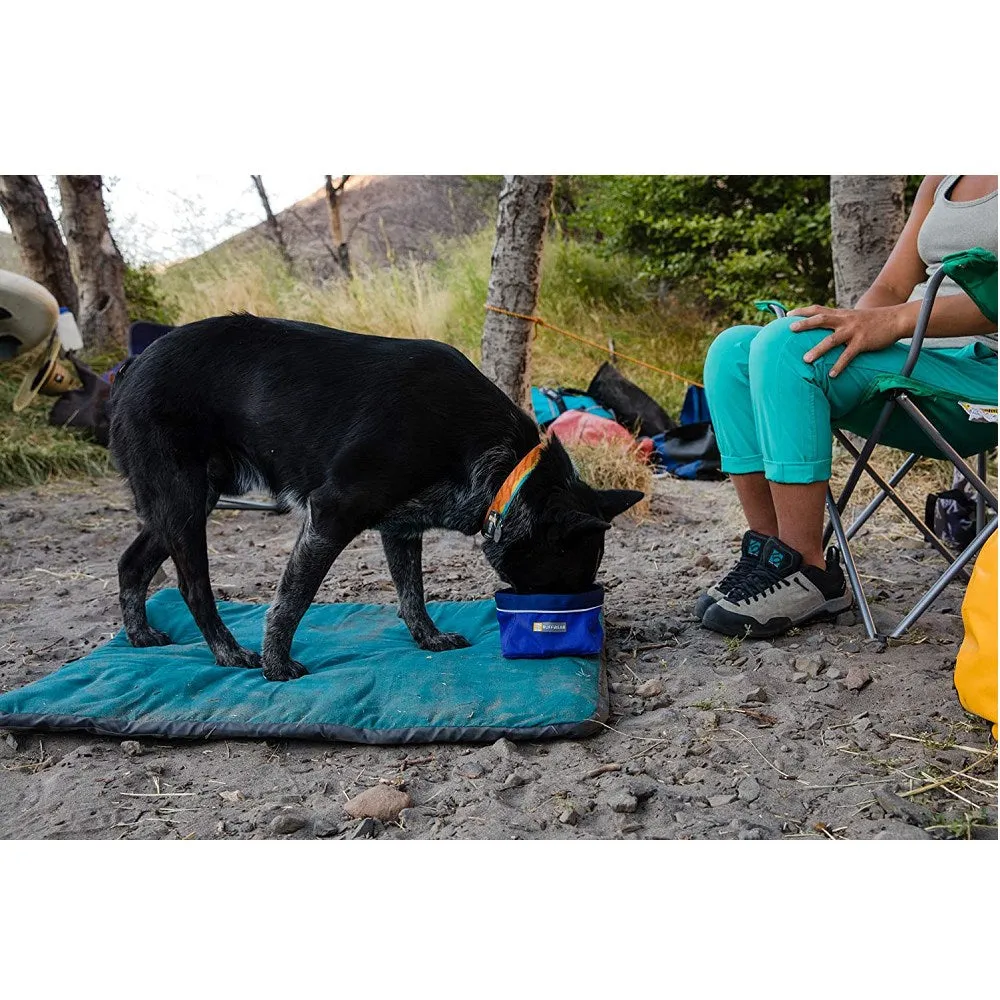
(569, 817)
(380, 802)
(8, 745)
(810, 663)
(131, 748)
(857, 678)
(834, 673)
(505, 748)
(650, 688)
(621, 801)
(364, 830)
(642, 787)
(751, 833)
(287, 822)
(513, 780)
(721, 800)
(324, 826)
(799, 677)
(231, 796)
(704, 561)
(902, 831)
(757, 694)
(631, 826)
(472, 769)
(748, 790)
(895, 805)
(815, 684)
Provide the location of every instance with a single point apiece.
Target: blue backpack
(549, 403)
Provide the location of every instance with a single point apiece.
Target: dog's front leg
(403, 553)
(327, 529)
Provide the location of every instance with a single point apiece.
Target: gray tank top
(950, 227)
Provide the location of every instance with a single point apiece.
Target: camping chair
(140, 335)
(929, 423)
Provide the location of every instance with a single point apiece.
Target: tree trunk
(271, 220)
(866, 218)
(333, 193)
(97, 265)
(37, 236)
(514, 277)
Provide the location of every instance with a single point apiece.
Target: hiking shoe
(779, 594)
(750, 550)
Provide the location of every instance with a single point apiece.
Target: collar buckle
(493, 528)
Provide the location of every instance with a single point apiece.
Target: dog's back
(276, 404)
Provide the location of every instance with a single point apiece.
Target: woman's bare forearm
(952, 316)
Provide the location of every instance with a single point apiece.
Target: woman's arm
(904, 269)
(882, 315)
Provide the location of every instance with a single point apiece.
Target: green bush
(145, 299)
(720, 241)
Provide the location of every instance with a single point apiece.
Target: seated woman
(774, 390)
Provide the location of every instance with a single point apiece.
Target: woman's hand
(858, 330)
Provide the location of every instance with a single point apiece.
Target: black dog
(360, 432)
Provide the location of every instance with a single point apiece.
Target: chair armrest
(922, 320)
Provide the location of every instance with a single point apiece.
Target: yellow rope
(538, 321)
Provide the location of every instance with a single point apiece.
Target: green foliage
(721, 241)
(145, 299)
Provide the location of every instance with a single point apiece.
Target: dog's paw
(240, 657)
(284, 670)
(444, 640)
(149, 636)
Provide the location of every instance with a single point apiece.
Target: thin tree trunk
(97, 265)
(514, 279)
(37, 236)
(866, 218)
(333, 192)
(272, 220)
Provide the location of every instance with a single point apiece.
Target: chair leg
(888, 493)
(852, 570)
(949, 574)
(980, 502)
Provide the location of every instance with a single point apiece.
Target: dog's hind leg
(181, 523)
(403, 553)
(332, 520)
(136, 568)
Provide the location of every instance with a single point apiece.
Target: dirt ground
(706, 739)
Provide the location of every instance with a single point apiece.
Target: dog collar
(493, 525)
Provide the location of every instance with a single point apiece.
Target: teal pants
(772, 412)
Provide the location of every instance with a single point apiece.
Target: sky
(163, 218)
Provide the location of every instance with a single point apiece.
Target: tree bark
(514, 278)
(37, 236)
(97, 264)
(866, 218)
(272, 220)
(333, 192)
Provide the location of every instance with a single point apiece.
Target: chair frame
(985, 497)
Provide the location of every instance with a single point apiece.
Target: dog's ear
(615, 502)
(575, 523)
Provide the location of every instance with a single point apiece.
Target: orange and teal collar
(493, 525)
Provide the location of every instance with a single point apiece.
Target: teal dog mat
(368, 682)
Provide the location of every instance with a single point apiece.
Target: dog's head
(553, 536)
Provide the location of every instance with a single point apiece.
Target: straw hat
(51, 379)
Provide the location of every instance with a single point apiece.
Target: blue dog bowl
(534, 626)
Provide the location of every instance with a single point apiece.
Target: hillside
(385, 219)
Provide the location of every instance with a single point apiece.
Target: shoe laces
(760, 582)
(745, 565)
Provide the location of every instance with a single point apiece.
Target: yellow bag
(976, 666)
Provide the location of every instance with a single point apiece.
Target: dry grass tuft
(614, 465)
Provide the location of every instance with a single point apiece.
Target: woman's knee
(727, 354)
(777, 350)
